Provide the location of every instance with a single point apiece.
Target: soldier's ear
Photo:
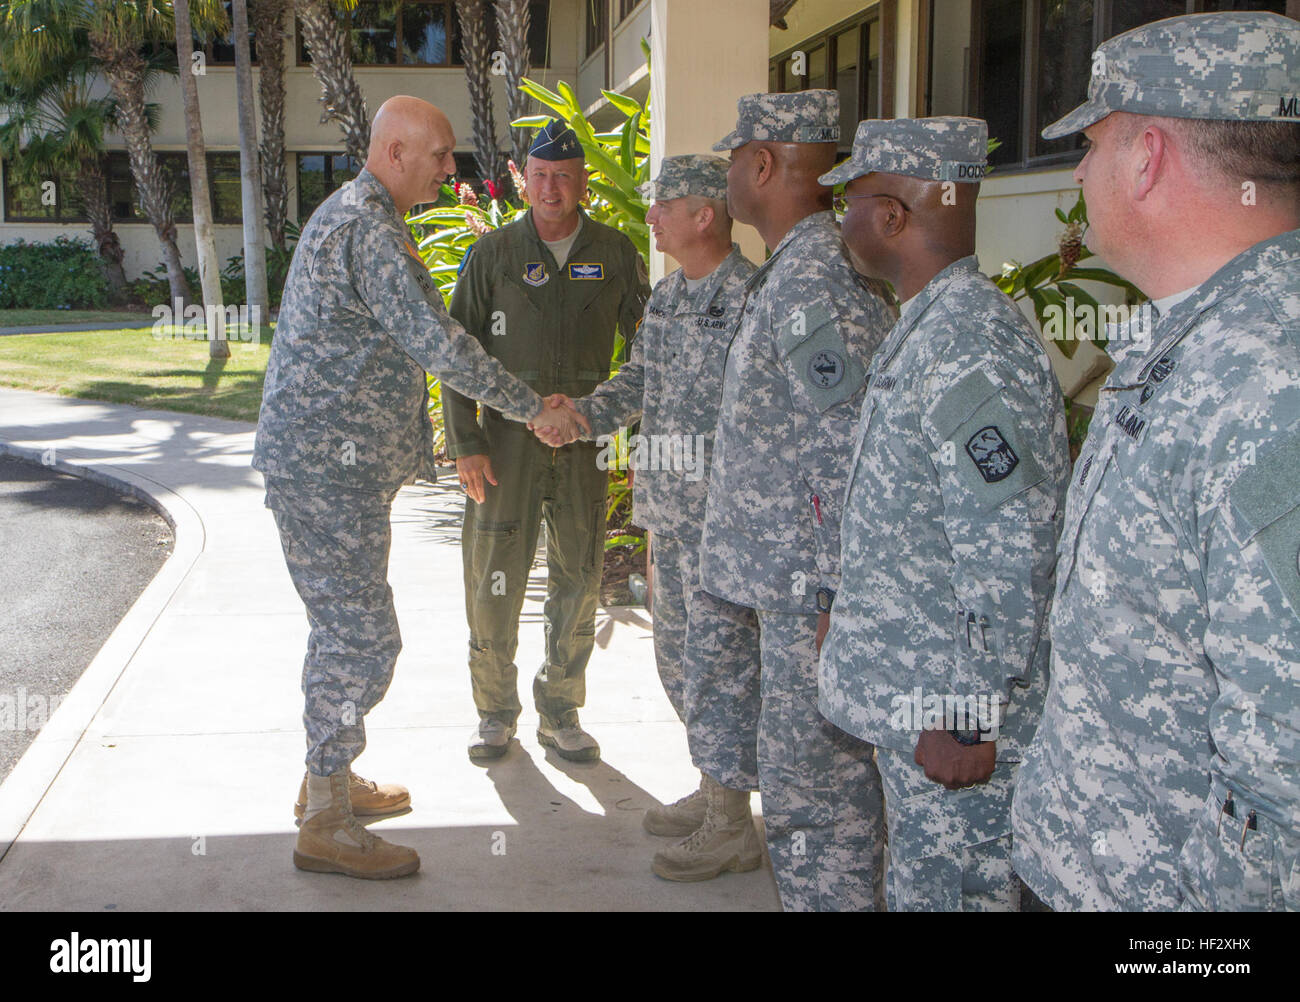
(704, 219)
(891, 217)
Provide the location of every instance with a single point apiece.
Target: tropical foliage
(1050, 282)
(1051, 285)
(62, 275)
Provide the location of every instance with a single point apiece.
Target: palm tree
(268, 28)
(328, 47)
(205, 242)
(54, 128)
(119, 31)
(478, 74)
(249, 173)
(512, 27)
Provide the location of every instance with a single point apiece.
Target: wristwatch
(967, 738)
(825, 597)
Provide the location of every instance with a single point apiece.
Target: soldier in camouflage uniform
(542, 294)
(1166, 771)
(937, 651)
(674, 381)
(793, 386)
(344, 423)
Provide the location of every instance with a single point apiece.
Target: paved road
(75, 556)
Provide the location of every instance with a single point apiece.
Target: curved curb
(26, 785)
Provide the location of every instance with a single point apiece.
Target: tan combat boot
(334, 841)
(727, 840)
(678, 818)
(369, 799)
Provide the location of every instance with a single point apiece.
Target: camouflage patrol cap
(688, 175)
(939, 149)
(806, 116)
(1237, 66)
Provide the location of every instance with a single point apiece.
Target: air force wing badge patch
(992, 454)
(580, 272)
(535, 273)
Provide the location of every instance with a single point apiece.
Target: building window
(845, 59)
(221, 51)
(422, 33)
(597, 23)
(22, 198)
(626, 7)
(319, 176)
(1033, 59)
(26, 199)
(227, 189)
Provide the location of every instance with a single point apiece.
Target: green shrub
(63, 275)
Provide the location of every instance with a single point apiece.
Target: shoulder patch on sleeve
(962, 400)
(809, 342)
(801, 324)
(1265, 499)
(980, 434)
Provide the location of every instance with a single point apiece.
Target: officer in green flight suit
(543, 295)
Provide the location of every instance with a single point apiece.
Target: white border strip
(25, 787)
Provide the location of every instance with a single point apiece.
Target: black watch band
(967, 738)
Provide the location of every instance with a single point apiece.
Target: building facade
(1017, 63)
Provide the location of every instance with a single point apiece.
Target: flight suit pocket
(494, 555)
(596, 551)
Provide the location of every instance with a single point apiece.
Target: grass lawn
(135, 367)
(30, 318)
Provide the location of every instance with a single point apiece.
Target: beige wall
(706, 56)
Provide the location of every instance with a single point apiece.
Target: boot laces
(703, 833)
(359, 832)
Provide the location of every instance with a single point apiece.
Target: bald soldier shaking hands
(344, 424)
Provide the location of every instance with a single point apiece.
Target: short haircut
(1267, 153)
(721, 218)
(1231, 152)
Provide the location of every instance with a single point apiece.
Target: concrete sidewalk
(166, 779)
(102, 325)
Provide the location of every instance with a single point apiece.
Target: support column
(703, 57)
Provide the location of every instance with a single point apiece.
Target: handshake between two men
(557, 423)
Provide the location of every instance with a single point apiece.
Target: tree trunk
(209, 266)
(328, 48)
(250, 176)
(268, 29)
(478, 66)
(94, 193)
(124, 69)
(512, 25)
